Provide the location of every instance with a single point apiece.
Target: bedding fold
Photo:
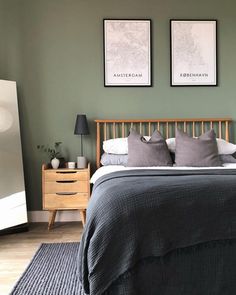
(136, 214)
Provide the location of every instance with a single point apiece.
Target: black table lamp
(81, 128)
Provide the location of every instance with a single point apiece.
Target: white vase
(55, 163)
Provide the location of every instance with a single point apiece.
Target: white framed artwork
(193, 52)
(127, 52)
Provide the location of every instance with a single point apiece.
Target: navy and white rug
(53, 271)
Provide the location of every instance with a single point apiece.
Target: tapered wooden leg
(52, 215)
(83, 216)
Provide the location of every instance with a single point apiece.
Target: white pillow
(118, 146)
(224, 147)
(171, 144)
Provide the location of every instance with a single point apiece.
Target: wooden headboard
(107, 129)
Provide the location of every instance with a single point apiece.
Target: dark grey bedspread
(136, 214)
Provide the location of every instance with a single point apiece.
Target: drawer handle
(66, 181)
(66, 172)
(66, 194)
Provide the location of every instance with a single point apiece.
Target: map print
(193, 52)
(127, 52)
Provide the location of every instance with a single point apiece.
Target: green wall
(54, 50)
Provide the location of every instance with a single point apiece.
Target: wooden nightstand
(65, 189)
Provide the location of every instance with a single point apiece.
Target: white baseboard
(62, 216)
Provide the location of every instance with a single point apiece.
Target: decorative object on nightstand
(81, 128)
(71, 165)
(53, 153)
(55, 163)
(65, 189)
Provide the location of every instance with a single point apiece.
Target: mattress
(113, 168)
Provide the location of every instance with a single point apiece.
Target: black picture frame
(193, 52)
(127, 47)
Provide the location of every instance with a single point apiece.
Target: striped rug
(52, 271)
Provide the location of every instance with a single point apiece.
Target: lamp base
(81, 162)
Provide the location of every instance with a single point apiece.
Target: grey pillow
(114, 159)
(227, 159)
(143, 153)
(196, 152)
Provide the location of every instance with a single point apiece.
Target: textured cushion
(227, 159)
(143, 153)
(224, 147)
(114, 159)
(199, 152)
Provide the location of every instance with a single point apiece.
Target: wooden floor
(16, 250)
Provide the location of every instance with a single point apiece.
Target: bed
(161, 230)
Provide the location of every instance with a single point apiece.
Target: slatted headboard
(107, 129)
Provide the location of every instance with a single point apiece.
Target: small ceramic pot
(71, 165)
(55, 163)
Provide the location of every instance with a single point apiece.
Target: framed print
(193, 52)
(127, 52)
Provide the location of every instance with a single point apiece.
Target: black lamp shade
(81, 125)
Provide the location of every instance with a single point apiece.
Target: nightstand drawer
(61, 186)
(66, 201)
(66, 175)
